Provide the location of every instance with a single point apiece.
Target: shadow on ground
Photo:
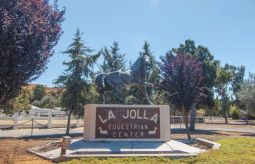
(248, 134)
(203, 132)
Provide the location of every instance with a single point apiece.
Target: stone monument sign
(107, 122)
(126, 122)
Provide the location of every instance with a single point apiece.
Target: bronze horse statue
(113, 81)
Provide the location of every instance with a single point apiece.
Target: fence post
(65, 144)
(16, 119)
(181, 117)
(32, 127)
(50, 119)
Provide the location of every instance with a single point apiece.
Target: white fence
(180, 119)
(18, 121)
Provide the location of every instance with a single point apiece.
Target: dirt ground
(15, 151)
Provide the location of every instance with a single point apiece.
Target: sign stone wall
(126, 122)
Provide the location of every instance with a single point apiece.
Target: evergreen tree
(113, 59)
(228, 83)
(151, 76)
(75, 79)
(246, 96)
(39, 92)
(18, 104)
(152, 70)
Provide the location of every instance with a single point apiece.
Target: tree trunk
(2, 100)
(186, 120)
(193, 117)
(225, 117)
(68, 123)
(246, 119)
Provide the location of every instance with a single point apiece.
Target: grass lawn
(233, 150)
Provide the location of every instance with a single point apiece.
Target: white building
(44, 112)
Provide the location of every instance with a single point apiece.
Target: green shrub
(234, 113)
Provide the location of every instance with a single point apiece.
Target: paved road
(241, 130)
(216, 127)
(54, 132)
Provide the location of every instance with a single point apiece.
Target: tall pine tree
(75, 78)
(151, 76)
(113, 59)
(152, 69)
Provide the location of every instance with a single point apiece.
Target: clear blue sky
(226, 27)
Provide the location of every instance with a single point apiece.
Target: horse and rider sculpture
(114, 81)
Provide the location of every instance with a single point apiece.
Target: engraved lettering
(132, 114)
(154, 118)
(111, 115)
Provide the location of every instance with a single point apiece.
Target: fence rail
(180, 119)
(23, 121)
(16, 121)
